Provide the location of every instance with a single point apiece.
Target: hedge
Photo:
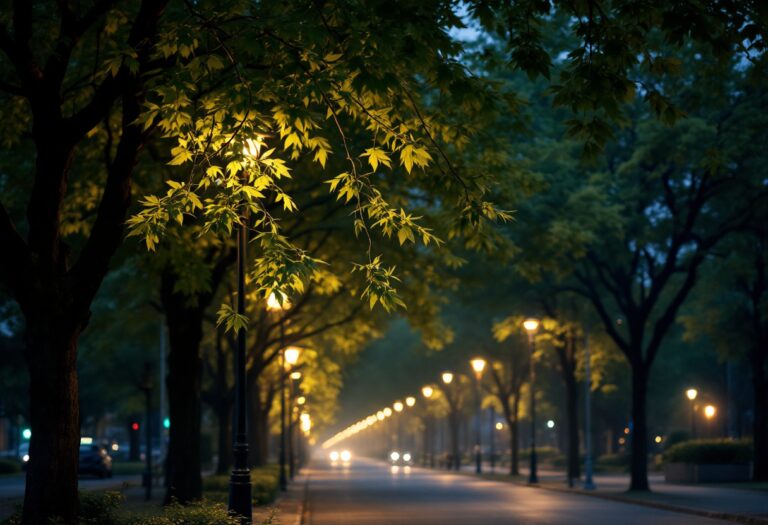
(710, 452)
(264, 480)
(9, 466)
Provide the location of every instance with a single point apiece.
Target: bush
(128, 467)
(541, 453)
(265, 485)
(710, 451)
(612, 462)
(9, 466)
(194, 514)
(676, 437)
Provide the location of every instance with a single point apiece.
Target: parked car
(95, 461)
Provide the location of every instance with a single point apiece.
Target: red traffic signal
(134, 426)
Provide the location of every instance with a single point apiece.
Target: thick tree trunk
(760, 425)
(185, 331)
(639, 453)
(572, 417)
(454, 421)
(51, 485)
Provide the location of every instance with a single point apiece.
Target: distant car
(95, 461)
(343, 457)
(396, 458)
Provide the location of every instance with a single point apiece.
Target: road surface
(371, 493)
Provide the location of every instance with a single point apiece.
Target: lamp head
(427, 391)
(387, 412)
(447, 378)
(410, 401)
(292, 355)
(710, 411)
(296, 376)
(478, 365)
(531, 325)
(691, 393)
(398, 406)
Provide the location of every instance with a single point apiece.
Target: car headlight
(334, 456)
(406, 457)
(25, 458)
(394, 456)
(346, 455)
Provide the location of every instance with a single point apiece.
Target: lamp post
(429, 440)
(589, 484)
(295, 378)
(478, 365)
(398, 406)
(692, 394)
(709, 413)
(147, 386)
(410, 402)
(453, 430)
(492, 438)
(240, 480)
(531, 326)
(288, 358)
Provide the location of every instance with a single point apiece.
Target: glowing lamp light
(478, 365)
(531, 325)
(301, 400)
(410, 401)
(427, 391)
(447, 378)
(380, 415)
(398, 406)
(551, 423)
(115, 447)
(26, 433)
(710, 411)
(691, 393)
(658, 439)
(296, 376)
(387, 412)
(274, 304)
(291, 355)
(252, 147)
(499, 426)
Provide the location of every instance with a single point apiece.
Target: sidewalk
(735, 504)
(289, 507)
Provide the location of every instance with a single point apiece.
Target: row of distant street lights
(478, 366)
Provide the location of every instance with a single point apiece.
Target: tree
(53, 81)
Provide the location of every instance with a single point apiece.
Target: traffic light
(134, 453)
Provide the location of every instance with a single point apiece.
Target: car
(343, 457)
(396, 458)
(94, 460)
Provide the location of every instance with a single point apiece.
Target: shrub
(98, 508)
(193, 514)
(612, 462)
(265, 485)
(541, 453)
(9, 466)
(710, 451)
(128, 467)
(676, 437)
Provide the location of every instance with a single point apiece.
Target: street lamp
(398, 406)
(410, 401)
(531, 326)
(710, 411)
(589, 484)
(692, 394)
(478, 365)
(240, 479)
(447, 378)
(429, 441)
(295, 378)
(288, 357)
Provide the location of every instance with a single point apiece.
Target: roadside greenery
(710, 451)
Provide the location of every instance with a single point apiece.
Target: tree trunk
(514, 439)
(639, 453)
(760, 424)
(454, 424)
(572, 417)
(185, 331)
(51, 485)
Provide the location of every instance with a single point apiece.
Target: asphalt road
(370, 493)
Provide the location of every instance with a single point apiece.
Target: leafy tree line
(237, 95)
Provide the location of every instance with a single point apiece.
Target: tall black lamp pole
(531, 325)
(240, 480)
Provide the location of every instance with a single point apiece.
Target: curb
(739, 518)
